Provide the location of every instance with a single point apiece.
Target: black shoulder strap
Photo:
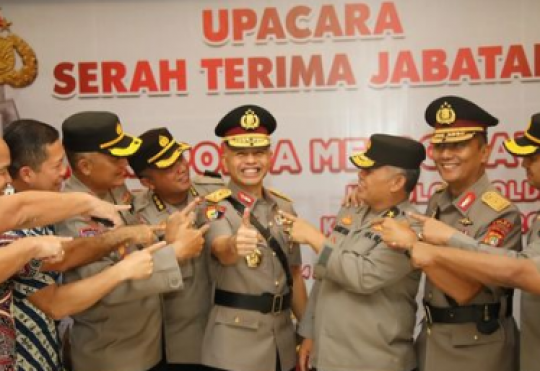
(265, 232)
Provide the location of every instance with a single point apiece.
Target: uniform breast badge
(254, 259)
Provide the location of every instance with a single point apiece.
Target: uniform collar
(165, 207)
(392, 212)
(74, 184)
(118, 195)
(466, 199)
(247, 198)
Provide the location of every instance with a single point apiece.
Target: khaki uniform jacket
(245, 340)
(530, 304)
(365, 307)
(185, 312)
(450, 347)
(122, 332)
(530, 309)
(345, 218)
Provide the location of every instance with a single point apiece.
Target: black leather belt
(464, 314)
(265, 303)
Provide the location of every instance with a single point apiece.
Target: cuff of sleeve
(306, 329)
(324, 257)
(463, 241)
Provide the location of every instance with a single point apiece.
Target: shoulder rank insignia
(441, 187)
(279, 194)
(392, 213)
(158, 203)
(193, 191)
(466, 201)
(218, 195)
(495, 201)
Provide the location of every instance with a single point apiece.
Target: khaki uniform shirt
(185, 312)
(530, 304)
(245, 340)
(121, 332)
(530, 309)
(365, 306)
(450, 347)
(345, 218)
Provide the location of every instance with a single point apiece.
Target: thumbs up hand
(246, 236)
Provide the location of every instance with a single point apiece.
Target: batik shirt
(37, 341)
(7, 325)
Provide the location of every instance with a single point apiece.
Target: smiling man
(362, 309)
(163, 169)
(481, 334)
(257, 268)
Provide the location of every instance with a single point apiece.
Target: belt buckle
(277, 304)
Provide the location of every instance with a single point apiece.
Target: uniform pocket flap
(238, 318)
(469, 335)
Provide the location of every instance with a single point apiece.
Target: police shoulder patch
(279, 194)
(218, 195)
(495, 201)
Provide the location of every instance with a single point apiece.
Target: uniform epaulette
(496, 201)
(193, 191)
(218, 195)
(441, 188)
(158, 203)
(279, 194)
(212, 174)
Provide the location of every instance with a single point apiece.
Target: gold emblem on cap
(254, 259)
(250, 120)
(163, 141)
(446, 114)
(118, 129)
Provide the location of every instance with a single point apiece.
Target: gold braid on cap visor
(361, 160)
(515, 149)
(160, 153)
(455, 135)
(127, 151)
(165, 163)
(248, 140)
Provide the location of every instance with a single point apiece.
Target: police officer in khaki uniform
(478, 333)
(257, 268)
(365, 306)
(484, 268)
(528, 147)
(162, 168)
(122, 332)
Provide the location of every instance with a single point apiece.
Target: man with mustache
(485, 267)
(122, 332)
(161, 166)
(476, 332)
